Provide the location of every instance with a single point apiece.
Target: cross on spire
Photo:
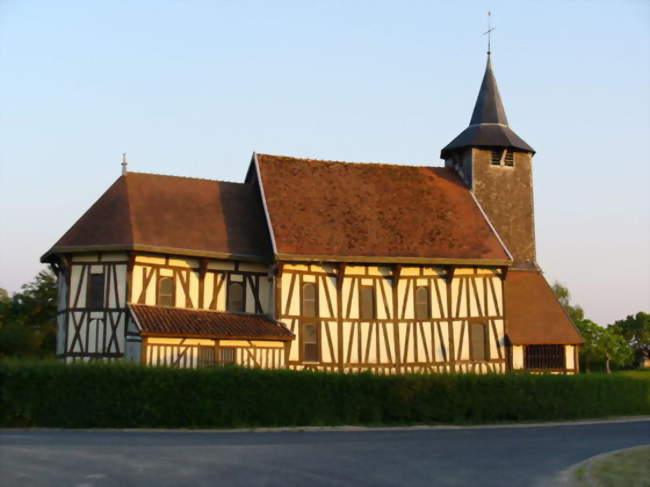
(489, 32)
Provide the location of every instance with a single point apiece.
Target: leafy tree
(601, 344)
(636, 331)
(575, 312)
(28, 319)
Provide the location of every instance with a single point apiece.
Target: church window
(422, 311)
(236, 297)
(509, 160)
(309, 300)
(544, 357)
(310, 342)
(95, 292)
(496, 157)
(166, 291)
(205, 356)
(228, 356)
(367, 303)
(478, 342)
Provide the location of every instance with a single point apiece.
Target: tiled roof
(169, 213)
(179, 322)
(336, 209)
(535, 316)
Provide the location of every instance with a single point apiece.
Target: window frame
(232, 350)
(172, 295)
(243, 296)
(561, 365)
(373, 310)
(486, 341)
(316, 325)
(302, 299)
(90, 292)
(428, 314)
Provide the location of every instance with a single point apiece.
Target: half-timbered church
(325, 265)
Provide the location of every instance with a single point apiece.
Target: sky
(192, 88)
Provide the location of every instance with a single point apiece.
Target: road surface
(503, 456)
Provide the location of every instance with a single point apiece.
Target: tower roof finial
(488, 32)
(124, 163)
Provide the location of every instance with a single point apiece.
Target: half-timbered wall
(201, 284)
(86, 333)
(190, 353)
(396, 337)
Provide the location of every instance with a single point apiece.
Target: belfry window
(309, 302)
(509, 160)
(235, 297)
(166, 291)
(95, 291)
(422, 310)
(478, 342)
(496, 157)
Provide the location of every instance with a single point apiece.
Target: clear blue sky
(192, 88)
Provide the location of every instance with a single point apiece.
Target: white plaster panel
(189, 263)
(569, 358)
(77, 278)
(517, 357)
(97, 269)
(221, 265)
(148, 259)
(114, 257)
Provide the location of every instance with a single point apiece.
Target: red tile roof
(336, 209)
(172, 214)
(535, 316)
(179, 322)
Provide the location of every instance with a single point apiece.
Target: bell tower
(496, 164)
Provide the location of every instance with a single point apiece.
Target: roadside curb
(349, 428)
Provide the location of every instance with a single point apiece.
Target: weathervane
(489, 31)
(124, 163)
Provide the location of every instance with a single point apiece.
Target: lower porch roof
(178, 322)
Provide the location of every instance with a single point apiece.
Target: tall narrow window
(95, 292)
(310, 342)
(478, 342)
(422, 311)
(205, 356)
(236, 297)
(228, 356)
(166, 291)
(309, 305)
(367, 303)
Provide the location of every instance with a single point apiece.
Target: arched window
(422, 311)
(235, 297)
(309, 304)
(478, 343)
(166, 291)
(310, 342)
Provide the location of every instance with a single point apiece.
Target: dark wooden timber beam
(451, 270)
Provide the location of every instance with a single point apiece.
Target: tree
(575, 312)
(636, 331)
(613, 348)
(28, 319)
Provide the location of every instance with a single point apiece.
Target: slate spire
(488, 126)
(489, 107)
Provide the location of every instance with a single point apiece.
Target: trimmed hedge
(52, 394)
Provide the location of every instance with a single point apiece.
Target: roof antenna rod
(489, 32)
(124, 163)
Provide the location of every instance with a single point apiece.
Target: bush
(122, 395)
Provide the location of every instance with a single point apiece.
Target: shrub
(52, 394)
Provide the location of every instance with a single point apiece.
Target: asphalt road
(517, 456)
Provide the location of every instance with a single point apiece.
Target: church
(323, 265)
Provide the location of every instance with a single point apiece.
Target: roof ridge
(184, 177)
(366, 163)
